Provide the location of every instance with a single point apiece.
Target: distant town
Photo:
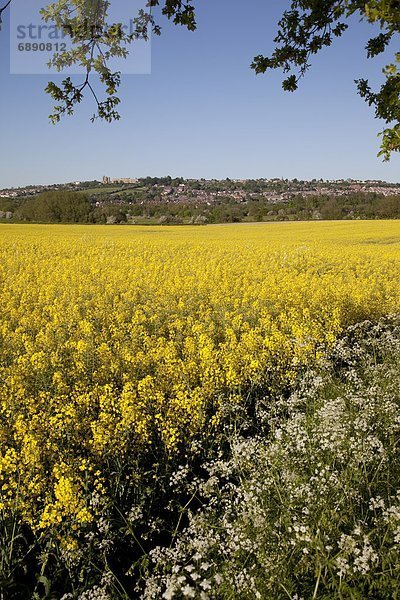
(210, 190)
(168, 200)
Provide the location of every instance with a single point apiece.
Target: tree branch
(2, 10)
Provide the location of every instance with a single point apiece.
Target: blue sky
(203, 113)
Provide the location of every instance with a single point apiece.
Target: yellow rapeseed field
(115, 340)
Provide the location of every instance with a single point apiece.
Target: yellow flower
(103, 354)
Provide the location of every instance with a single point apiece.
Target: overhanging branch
(7, 4)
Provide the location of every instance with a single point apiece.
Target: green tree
(310, 25)
(55, 207)
(304, 29)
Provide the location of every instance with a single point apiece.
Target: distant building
(108, 180)
(124, 180)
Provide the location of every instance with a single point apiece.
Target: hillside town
(175, 201)
(203, 191)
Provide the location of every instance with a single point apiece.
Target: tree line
(61, 207)
(75, 207)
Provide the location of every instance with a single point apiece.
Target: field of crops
(122, 347)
